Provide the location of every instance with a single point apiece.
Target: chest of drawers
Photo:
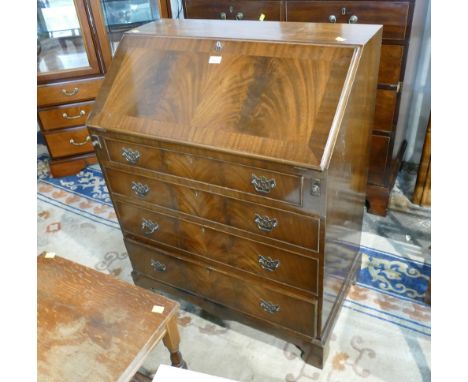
(237, 162)
(388, 136)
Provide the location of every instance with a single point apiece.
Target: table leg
(171, 341)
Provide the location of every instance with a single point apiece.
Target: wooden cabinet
(75, 43)
(231, 179)
(396, 17)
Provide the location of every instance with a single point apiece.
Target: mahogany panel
(393, 15)
(380, 150)
(253, 180)
(391, 59)
(71, 165)
(68, 92)
(268, 222)
(385, 104)
(257, 299)
(70, 141)
(239, 252)
(65, 116)
(233, 10)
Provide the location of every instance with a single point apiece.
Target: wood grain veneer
(179, 140)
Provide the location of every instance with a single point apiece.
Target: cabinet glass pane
(122, 15)
(59, 39)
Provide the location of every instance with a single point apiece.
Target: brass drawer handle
(87, 139)
(72, 93)
(262, 184)
(239, 16)
(269, 307)
(148, 227)
(222, 15)
(264, 223)
(82, 114)
(140, 189)
(131, 156)
(332, 19)
(353, 19)
(157, 266)
(268, 263)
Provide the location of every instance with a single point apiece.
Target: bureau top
(270, 90)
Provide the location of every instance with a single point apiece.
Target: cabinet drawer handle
(269, 307)
(222, 15)
(131, 156)
(353, 19)
(239, 16)
(140, 189)
(157, 266)
(268, 263)
(82, 114)
(148, 227)
(72, 93)
(87, 139)
(264, 223)
(332, 19)
(262, 184)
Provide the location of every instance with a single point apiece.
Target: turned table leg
(171, 341)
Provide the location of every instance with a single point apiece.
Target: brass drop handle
(264, 223)
(82, 114)
(268, 264)
(149, 227)
(222, 15)
(158, 266)
(239, 16)
(87, 139)
(353, 19)
(269, 307)
(70, 94)
(332, 19)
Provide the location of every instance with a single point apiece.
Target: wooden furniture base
(86, 324)
(70, 166)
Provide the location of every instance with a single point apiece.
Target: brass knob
(353, 19)
(222, 15)
(239, 16)
(332, 19)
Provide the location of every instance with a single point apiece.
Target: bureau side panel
(346, 185)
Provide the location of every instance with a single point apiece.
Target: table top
(91, 326)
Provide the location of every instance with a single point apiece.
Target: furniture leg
(171, 341)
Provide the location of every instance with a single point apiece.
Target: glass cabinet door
(64, 44)
(122, 15)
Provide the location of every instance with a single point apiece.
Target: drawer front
(68, 142)
(392, 15)
(68, 92)
(232, 10)
(247, 255)
(60, 117)
(254, 299)
(279, 186)
(391, 59)
(385, 104)
(380, 150)
(272, 223)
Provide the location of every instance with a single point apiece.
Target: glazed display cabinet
(75, 43)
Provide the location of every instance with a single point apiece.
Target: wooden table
(92, 327)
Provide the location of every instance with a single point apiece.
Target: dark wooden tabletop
(92, 327)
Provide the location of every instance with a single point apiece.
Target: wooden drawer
(241, 253)
(232, 10)
(272, 223)
(380, 149)
(275, 185)
(68, 92)
(391, 59)
(385, 104)
(60, 145)
(65, 116)
(393, 15)
(243, 295)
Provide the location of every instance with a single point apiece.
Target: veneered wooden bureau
(237, 159)
(388, 136)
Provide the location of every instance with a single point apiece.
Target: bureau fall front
(236, 156)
